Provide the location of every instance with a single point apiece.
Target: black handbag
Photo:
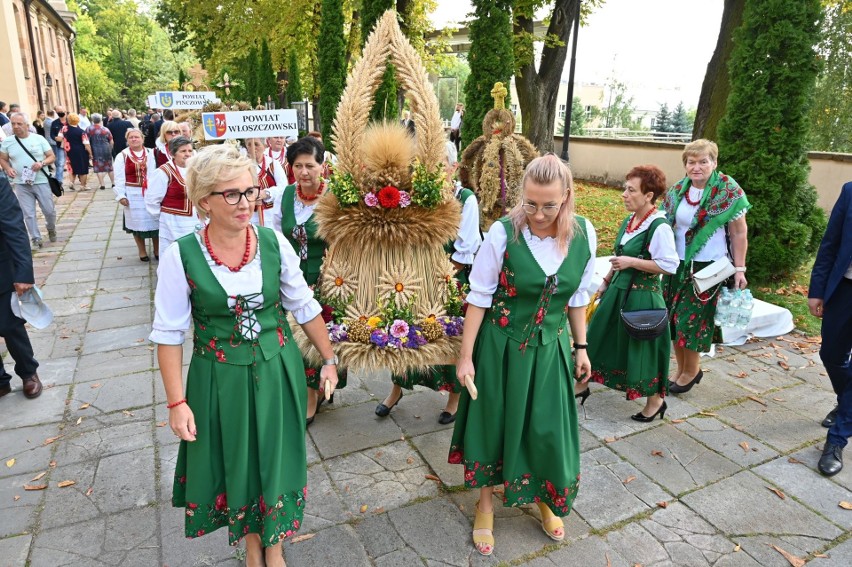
(55, 184)
(643, 324)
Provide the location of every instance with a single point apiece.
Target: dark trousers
(14, 332)
(835, 354)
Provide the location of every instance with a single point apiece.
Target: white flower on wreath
(435, 310)
(399, 284)
(359, 310)
(445, 272)
(338, 282)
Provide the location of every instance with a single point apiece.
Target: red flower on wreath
(388, 197)
(327, 313)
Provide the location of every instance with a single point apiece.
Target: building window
(589, 111)
(561, 111)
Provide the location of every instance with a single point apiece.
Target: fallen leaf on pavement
(431, 477)
(708, 413)
(35, 486)
(744, 445)
(758, 400)
(777, 492)
(742, 374)
(794, 561)
(93, 386)
(610, 439)
(89, 492)
(409, 460)
(50, 440)
(305, 537)
(822, 555)
(608, 562)
(663, 504)
(629, 479)
(379, 510)
(779, 399)
(737, 548)
(66, 483)
(84, 406)
(52, 464)
(161, 423)
(846, 505)
(794, 460)
(10, 463)
(17, 498)
(364, 508)
(128, 413)
(657, 453)
(38, 476)
(783, 365)
(79, 420)
(678, 420)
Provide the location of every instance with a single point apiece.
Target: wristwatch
(740, 269)
(330, 361)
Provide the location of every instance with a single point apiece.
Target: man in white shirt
(455, 126)
(84, 118)
(26, 175)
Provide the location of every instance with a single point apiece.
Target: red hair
(652, 179)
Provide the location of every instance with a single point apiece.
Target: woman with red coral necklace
(241, 463)
(644, 249)
(707, 211)
(295, 219)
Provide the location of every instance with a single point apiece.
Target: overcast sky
(659, 48)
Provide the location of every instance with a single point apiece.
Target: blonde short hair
(73, 119)
(167, 125)
(700, 147)
(213, 165)
(545, 170)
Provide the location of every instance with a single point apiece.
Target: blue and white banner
(181, 100)
(249, 124)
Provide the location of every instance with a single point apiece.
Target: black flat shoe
(446, 417)
(676, 388)
(157, 257)
(583, 396)
(830, 418)
(310, 420)
(831, 461)
(144, 259)
(646, 418)
(382, 410)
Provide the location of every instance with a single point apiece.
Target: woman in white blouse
(132, 167)
(644, 249)
(241, 462)
(167, 197)
(270, 178)
(530, 281)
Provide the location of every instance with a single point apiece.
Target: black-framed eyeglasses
(233, 196)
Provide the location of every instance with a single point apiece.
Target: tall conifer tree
(331, 60)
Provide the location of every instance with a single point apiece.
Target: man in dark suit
(16, 276)
(830, 298)
(118, 128)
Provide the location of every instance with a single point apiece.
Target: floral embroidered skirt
(438, 378)
(638, 368)
(691, 317)
(247, 470)
(521, 431)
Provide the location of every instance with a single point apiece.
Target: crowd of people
(234, 230)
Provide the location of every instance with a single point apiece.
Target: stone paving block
(839, 556)
(337, 545)
(116, 339)
(57, 371)
(94, 367)
(114, 394)
(588, 441)
(726, 440)
(120, 299)
(112, 272)
(311, 449)
(433, 447)
(69, 306)
(70, 505)
(377, 384)
(815, 375)
(383, 477)
(69, 290)
(17, 516)
(759, 376)
(378, 536)
(604, 499)
(352, 429)
(102, 442)
(25, 445)
(589, 552)
(636, 545)
(18, 411)
(773, 424)
(760, 548)
(607, 414)
(93, 264)
(125, 481)
(418, 413)
(684, 463)
(514, 537)
(324, 507)
(688, 539)
(14, 550)
(163, 434)
(422, 525)
(178, 551)
(71, 277)
(353, 394)
(401, 558)
(81, 255)
(809, 457)
(807, 401)
(118, 318)
(759, 510)
(814, 490)
(74, 244)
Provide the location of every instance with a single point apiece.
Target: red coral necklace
(637, 225)
(690, 201)
(220, 262)
(304, 198)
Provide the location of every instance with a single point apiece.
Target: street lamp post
(569, 101)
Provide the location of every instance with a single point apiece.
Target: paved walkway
(727, 480)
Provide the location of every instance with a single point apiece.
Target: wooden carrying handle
(471, 387)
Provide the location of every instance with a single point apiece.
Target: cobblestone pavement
(728, 479)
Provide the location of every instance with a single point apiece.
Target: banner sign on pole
(152, 101)
(249, 124)
(183, 99)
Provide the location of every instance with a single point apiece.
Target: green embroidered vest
(529, 306)
(644, 280)
(217, 317)
(303, 237)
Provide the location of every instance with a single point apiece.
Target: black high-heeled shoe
(583, 395)
(646, 418)
(676, 388)
(382, 410)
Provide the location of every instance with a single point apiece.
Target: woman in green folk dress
(638, 368)
(294, 218)
(707, 210)
(529, 281)
(241, 461)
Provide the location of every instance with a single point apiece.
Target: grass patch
(603, 206)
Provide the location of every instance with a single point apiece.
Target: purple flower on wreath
(452, 325)
(337, 333)
(371, 200)
(394, 342)
(379, 338)
(415, 337)
(404, 199)
(399, 328)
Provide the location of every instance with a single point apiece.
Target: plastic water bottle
(744, 312)
(733, 311)
(723, 307)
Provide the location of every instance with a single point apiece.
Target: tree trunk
(538, 89)
(717, 84)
